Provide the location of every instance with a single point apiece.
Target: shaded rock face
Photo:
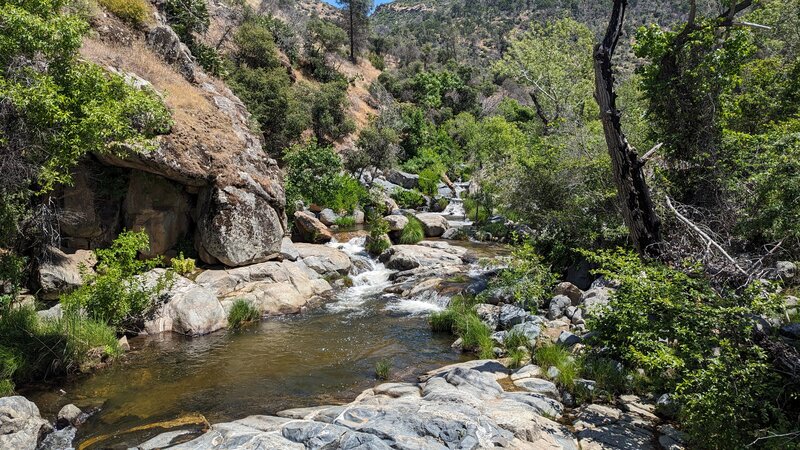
(91, 212)
(159, 207)
(21, 425)
(61, 273)
(457, 407)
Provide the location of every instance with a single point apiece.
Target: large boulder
(407, 257)
(328, 217)
(61, 272)
(435, 224)
(184, 307)
(274, 288)
(396, 222)
(325, 260)
(239, 227)
(309, 229)
(21, 425)
(404, 179)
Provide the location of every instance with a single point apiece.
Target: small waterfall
(421, 304)
(370, 277)
(455, 213)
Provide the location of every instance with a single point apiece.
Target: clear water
(325, 356)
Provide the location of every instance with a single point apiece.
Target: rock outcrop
(273, 287)
(184, 307)
(61, 272)
(407, 257)
(434, 224)
(326, 261)
(460, 406)
(21, 425)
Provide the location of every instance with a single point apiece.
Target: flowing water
(326, 355)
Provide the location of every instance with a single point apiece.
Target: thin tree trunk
(352, 35)
(634, 195)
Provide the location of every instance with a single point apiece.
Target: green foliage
(135, 12)
(183, 266)
(115, 295)
(255, 45)
(429, 180)
(33, 349)
(409, 199)
(514, 340)
(443, 320)
(552, 355)
(413, 232)
(516, 357)
(378, 241)
(379, 145)
(382, 369)
(323, 37)
(695, 341)
(329, 119)
(345, 222)
(474, 334)
(526, 277)
(241, 314)
(314, 176)
(190, 18)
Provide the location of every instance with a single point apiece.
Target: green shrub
(476, 211)
(382, 369)
(183, 266)
(345, 222)
(135, 12)
(378, 241)
(694, 341)
(526, 277)
(409, 199)
(429, 180)
(115, 295)
(241, 314)
(413, 232)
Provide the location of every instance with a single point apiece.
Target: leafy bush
(429, 180)
(409, 199)
(242, 313)
(526, 277)
(116, 295)
(697, 342)
(135, 12)
(413, 232)
(314, 176)
(378, 241)
(329, 118)
(183, 266)
(345, 222)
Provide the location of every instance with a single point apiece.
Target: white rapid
(455, 213)
(370, 278)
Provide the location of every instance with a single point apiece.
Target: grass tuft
(413, 233)
(516, 357)
(443, 320)
(345, 222)
(382, 369)
(552, 355)
(241, 314)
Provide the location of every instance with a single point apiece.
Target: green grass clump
(475, 335)
(382, 369)
(241, 314)
(135, 12)
(552, 355)
(413, 233)
(345, 222)
(516, 357)
(515, 340)
(443, 320)
(32, 348)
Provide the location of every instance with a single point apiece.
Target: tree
(553, 60)
(357, 16)
(634, 195)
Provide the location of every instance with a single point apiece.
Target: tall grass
(382, 369)
(413, 233)
(443, 320)
(460, 319)
(551, 355)
(241, 314)
(32, 349)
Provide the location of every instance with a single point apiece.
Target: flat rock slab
(538, 386)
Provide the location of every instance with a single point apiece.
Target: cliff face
(208, 186)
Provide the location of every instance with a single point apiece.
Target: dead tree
(634, 195)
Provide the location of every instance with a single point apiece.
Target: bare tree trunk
(352, 35)
(634, 195)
